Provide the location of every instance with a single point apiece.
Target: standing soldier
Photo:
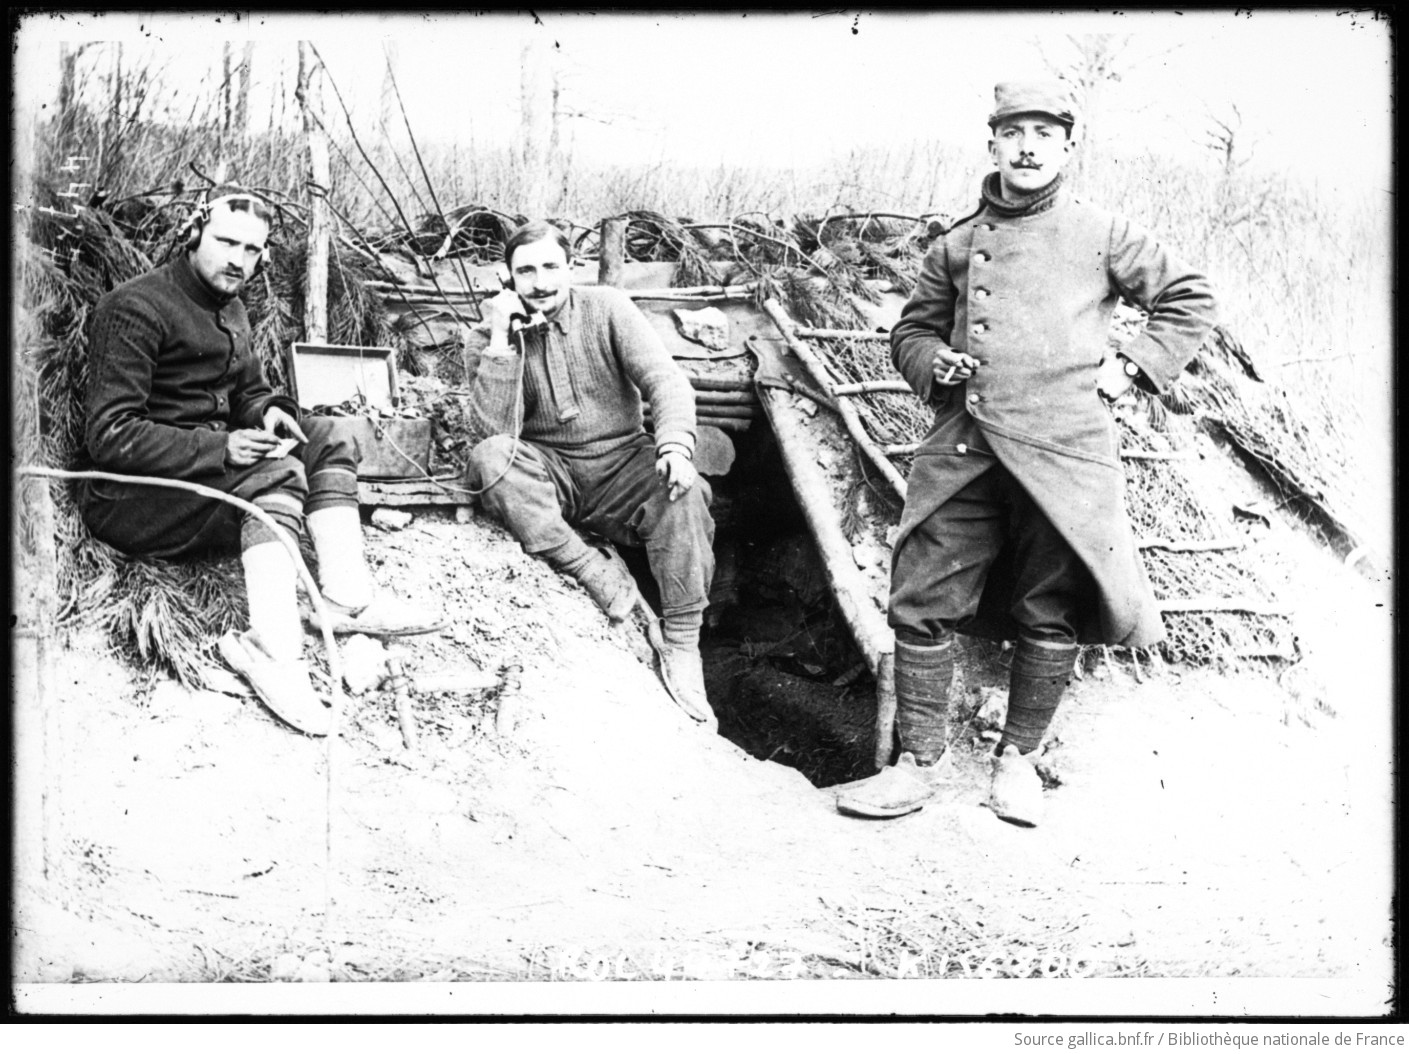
(1005, 335)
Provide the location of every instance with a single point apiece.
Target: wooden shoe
(896, 790)
(683, 675)
(281, 684)
(1016, 792)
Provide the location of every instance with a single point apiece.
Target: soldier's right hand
(951, 367)
(499, 308)
(246, 446)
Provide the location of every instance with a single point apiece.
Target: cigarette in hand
(950, 375)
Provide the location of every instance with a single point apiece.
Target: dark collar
(1031, 205)
(193, 286)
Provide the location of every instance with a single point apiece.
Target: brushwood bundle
(1216, 609)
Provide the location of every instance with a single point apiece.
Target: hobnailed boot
(922, 677)
(348, 589)
(1041, 673)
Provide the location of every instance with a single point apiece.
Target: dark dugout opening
(782, 671)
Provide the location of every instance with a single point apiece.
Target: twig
(842, 334)
(375, 171)
(868, 387)
(1195, 605)
(464, 275)
(1212, 545)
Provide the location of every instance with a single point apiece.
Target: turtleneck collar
(1027, 205)
(194, 286)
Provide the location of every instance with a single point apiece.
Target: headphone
(194, 227)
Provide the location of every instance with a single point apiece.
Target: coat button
(980, 327)
(974, 397)
(982, 257)
(962, 448)
(980, 294)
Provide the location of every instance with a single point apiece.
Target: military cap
(1049, 97)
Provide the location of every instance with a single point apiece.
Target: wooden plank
(446, 490)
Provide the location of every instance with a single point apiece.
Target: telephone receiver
(525, 319)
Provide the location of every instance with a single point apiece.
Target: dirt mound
(582, 827)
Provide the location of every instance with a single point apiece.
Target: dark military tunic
(1029, 292)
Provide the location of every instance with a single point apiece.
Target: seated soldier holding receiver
(561, 445)
(176, 391)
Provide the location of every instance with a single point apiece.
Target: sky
(1313, 87)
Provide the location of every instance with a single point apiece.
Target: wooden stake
(611, 263)
(315, 297)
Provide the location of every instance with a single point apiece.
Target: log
(711, 398)
(611, 261)
(823, 379)
(712, 410)
(723, 384)
(726, 424)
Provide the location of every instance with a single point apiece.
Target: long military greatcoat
(1029, 293)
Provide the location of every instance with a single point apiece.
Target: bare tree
(534, 137)
(68, 81)
(242, 94)
(1095, 61)
(393, 57)
(1227, 137)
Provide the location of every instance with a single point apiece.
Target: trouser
(166, 523)
(940, 570)
(543, 494)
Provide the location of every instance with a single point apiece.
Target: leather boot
(922, 677)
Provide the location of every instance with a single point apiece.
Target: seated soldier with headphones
(175, 390)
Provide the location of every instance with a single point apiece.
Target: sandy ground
(580, 827)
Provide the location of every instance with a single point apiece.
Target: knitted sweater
(584, 374)
(171, 372)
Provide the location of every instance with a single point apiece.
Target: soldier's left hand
(276, 420)
(1112, 382)
(677, 472)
